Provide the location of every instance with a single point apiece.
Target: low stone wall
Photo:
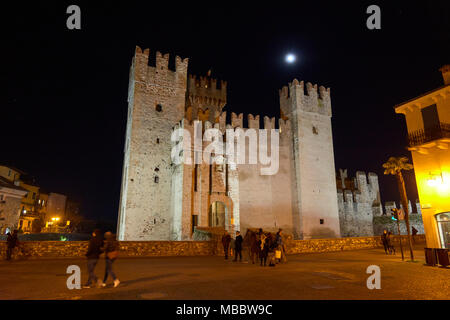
(66, 249)
(342, 244)
(73, 249)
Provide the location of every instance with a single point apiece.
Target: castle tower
(156, 103)
(205, 98)
(314, 186)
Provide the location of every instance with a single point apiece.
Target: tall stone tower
(156, 103)
(313, 159)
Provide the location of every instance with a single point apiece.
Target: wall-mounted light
(435, 180)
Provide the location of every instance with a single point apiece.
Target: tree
(395, 166)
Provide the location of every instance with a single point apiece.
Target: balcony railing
(419, 137)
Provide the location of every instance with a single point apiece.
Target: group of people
(98, 245)
(386, 239)
(262, 245)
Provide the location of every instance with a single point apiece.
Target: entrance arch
(217, 214)
(443, 222)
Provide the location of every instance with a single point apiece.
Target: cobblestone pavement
(340, 275)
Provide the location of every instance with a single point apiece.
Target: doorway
(443, 222)
(217, 213)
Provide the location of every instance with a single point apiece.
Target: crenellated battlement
(316, 99)
(364, 189)
(205, 91)
(159, 74)
(284, 126)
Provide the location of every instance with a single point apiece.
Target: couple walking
(97, 246)
(237, 247)
(387, 244)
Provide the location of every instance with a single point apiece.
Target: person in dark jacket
(111, 249)
(384, 239)
(414, 232)
(391, 248)
(238, 246)
(265, 242)
(226, 239)
(12, 242)
(93, 253)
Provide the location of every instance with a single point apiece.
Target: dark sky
(63, 97)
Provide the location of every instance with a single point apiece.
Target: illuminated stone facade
(163, 200)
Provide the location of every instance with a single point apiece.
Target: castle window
(314, 130)
(157, 140)
(156, 169)
(156, 179)
(322, 221)
(194, 222)
(158, 108)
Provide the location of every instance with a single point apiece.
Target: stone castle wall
(358, 202)
(360, 209)
(163, 200)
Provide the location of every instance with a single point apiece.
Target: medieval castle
(164, 200)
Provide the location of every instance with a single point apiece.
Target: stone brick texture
(74, 249)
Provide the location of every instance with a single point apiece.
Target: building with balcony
(428, 124)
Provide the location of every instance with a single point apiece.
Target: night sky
(64, 92)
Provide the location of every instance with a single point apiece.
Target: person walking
(12, 241)
(254, 247)
(226, 239)
(111, 250)
(238, 246)
(384, 240)
(264, 245)
(280, 245)
(414, 232)
(93, 253)
(391, 248)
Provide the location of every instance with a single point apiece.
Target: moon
(290, 58)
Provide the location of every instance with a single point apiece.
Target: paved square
(339, 275)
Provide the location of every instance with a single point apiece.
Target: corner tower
(156, 103)
(314, 186)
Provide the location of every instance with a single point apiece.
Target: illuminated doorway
(443, 222)
(217, 213)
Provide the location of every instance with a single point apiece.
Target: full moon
(290, 58)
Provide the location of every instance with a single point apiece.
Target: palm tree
(394, 166)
